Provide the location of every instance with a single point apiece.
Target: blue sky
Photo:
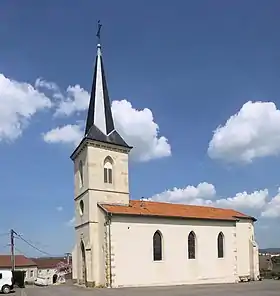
(193, 65)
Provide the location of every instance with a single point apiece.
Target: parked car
(41, 282)
(6, 281)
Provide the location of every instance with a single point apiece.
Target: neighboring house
(123, 242)
(265, 263)
(269, 265)
(276, 264)
(21, 263)
(270, 251)
(52, 269)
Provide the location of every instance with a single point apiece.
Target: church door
(84, 265)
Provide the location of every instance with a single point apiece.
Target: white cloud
(140, 130)
(76, 99)
(251, 133)
(43, 84)
(59, 208)
(137, 127)
(18, 103)
(244, 200)
(205, 194)
(272, 209)
(71, 222)
(67, 134)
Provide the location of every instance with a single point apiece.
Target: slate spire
(99, 112)
(100, 124)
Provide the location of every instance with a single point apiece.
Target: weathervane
(98, 31)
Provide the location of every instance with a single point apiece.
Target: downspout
(109, 247)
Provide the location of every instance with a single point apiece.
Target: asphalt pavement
(264, 288)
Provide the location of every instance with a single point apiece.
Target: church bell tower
(100, 176)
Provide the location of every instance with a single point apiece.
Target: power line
(19, 251)
(37, 244)
(5, 246)
(32, 245)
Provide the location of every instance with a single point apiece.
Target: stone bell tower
(101, 176)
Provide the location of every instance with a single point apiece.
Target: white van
(6, 281)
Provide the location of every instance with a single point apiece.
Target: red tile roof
(162, 209)
(49, 263)
(20, 261)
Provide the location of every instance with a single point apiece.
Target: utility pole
(12, 249)
(68, 257)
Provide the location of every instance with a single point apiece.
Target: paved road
(265, 288)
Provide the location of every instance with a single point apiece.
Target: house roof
(49, 263)
(161, 209)
(20, 261)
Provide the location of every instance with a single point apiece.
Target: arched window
(157, 246)
(81, 174)
(108, 170)
(220, 245)
(191, 245)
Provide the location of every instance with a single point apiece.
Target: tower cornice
(99, 144)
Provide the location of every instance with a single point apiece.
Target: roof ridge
(188, 205)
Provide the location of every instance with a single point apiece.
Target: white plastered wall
(132, 252)
(247, 250)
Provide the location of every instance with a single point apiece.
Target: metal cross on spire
(98, 31)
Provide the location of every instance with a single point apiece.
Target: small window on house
(191, 245)
(31, 273)
(1, 276)
(82, 207)
(157, 246)
(220, 245)
(81, 174)
(108, 170)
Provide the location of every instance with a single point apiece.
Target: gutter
(233, 219)
(109, 248)
(246, 218)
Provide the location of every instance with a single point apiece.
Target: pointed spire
(100, 124)
(99, 112)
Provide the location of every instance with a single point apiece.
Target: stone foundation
(90, 284)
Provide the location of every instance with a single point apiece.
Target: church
(121, 242)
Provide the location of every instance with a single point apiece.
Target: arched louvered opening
(108, 170)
